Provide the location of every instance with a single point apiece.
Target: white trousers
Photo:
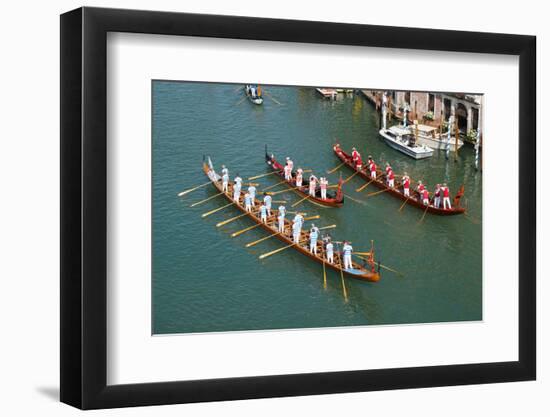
(437, 202)
(390, 183)
(330, 257)
(446, 202)
(324, 193)
(373, 174)
(263, 218)
(406, 192)
(253, 199)
(299, 182)
(426, 201)
(347, 261)
(296, 236)
(249, 208)
(312, 191)
(236, 196)
(288, 177)
(224, 186)
(281, 224)
(313, 246)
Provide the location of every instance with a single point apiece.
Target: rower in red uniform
(425, 197)
(388, 168)
(420, 189)
(372, 168)
(437, 196)
(446, 197)
(391, 178)
(406, 185)
(359, 163)
(354, 154)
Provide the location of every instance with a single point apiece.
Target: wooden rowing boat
(397, 191)
(334, 199)
(253, 92)
(366, 272)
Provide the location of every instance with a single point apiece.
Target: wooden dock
(329, 93)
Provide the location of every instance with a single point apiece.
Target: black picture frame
(84, 207)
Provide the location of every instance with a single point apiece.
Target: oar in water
(381, 266)
(194, 188)
(354, 200)
(344, 290)
(248, 245)
(377, 192)
(220, 224)
(273, 252)
(279, 201)
(273, 186)
(358, 190)
(324, 274)
(363, 253)
(299, 201)
(262, 175)
(336, 168)
(425, 211)
(206, 199)
(218, 209)
(403, 205)
(351, 176)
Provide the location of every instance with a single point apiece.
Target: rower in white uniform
(347, 250)
(281, 218)
(225, 182)
(225, 171)
(313, 236)
(288, 172)
(329, 249)
(252, 192)
(312, 185)
(247, 203)
(263, 213)
(296, 230)
(267, 202)
(323, 184)
(290, 163)
(299, 177)
(237, 188)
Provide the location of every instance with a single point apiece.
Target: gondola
(334, 199)
(397, 191)
(369, 271)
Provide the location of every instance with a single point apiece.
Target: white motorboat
(400, 138)
(429, 136)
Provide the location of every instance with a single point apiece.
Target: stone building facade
(430, 108)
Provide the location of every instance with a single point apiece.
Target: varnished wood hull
(358, 272)
(332, 201)
(397, 191)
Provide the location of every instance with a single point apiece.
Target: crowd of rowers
(266, 214)
(297, 178)
(441, 194)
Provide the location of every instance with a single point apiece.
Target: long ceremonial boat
(333, 199)
(397, 191)
(367, 272)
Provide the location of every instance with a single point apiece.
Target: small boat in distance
(254, 93)
(401, 138)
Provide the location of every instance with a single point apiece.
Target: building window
(447, 105)
(408, 98)
(475, 118)
(431, 102)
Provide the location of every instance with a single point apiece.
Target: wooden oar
(273, 252)
(248, 245)
(279, 201)
(353, 199)
(332, 226)
(382, 266)
(218, 209)
(425, 211)
(344, 290)
(324, 275)
(206, 199)
(284, 191)
(240, 232)
(403, 205)
(193, 189)
(273, 186)
(377, 192)
(351, 176)
(358, 190)
(299, 201)
(262, 175)
(363, 253)
(336, 168)
(220, 224)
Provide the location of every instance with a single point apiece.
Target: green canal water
(203, 280)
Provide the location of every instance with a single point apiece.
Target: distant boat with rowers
(368, 271)
(335, 199)
(254, 93)
(397, 191)
(401, 138)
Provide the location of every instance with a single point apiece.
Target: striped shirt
(282, 211)
(314, 234)
(299, 219)
(263, 210)
(330, 248)
(267, 201)
(238, 180)
(225, 178)
(247, 199)
(252, 190)
(347, 250)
